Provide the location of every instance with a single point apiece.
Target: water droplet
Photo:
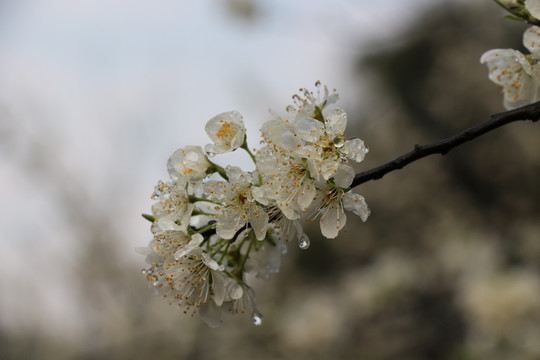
(161, 189)
(156, 283)
(145, 271)
(257, 319)
(366, 150)
(210, 153)
(159, 237)
(303, 243)
(338, 142)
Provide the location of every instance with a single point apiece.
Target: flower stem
(206, 228)
(246, 147)
(193, 199)
(251, 241)
(216, 168)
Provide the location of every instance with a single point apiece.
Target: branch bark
(528, 112)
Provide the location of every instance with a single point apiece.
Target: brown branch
(527, 112)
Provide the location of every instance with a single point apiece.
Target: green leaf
(513, 17)
(149, 217)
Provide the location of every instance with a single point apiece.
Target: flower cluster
(215, 227)
(518, 74)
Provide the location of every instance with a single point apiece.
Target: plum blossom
(173, 210)
(227, 131)
(216, 228)
(330, 205)
(239, 204)
(189, 164)
(516, 73)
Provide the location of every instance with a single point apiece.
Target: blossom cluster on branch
(518, 74)
(215, 227)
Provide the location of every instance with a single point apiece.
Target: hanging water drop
(257, 319)
(366, 149)
(303, 243)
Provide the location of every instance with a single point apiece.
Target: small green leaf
(149, 217)
(513, 17)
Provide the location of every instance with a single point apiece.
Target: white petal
(211, 263)
(290, 142)
(344, 175)
(524, 92)
(534, 7)
(234, 290)
(336, 121)
(191, 247)
(196, 240)
(306, 193)
(258, 218)
(333, 219)
(355, 149)
(143, 250)
(328, 167)
(260, 194)
(531, 37)
(229, 223)
(167, 224)
(211, 314)
(309, 129)
(218, 284)
(236, 175)
(357, 204)
(174, 164)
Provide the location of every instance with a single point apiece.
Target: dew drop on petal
(257, 319)
(366, 150)
(210, 153)
(338, 142)
(156, 283)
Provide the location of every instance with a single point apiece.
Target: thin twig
(527, 112)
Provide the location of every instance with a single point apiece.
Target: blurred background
(95, 96)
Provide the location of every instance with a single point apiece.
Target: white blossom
(188, 280)
(227, 131)
(330, 205)
(189, 164)
(239, 206)
(516, 73)
(211, 236)
(173, 210)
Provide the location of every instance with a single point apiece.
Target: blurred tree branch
(527, 112)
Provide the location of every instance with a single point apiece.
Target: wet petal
(336, 122)
(357, 204)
